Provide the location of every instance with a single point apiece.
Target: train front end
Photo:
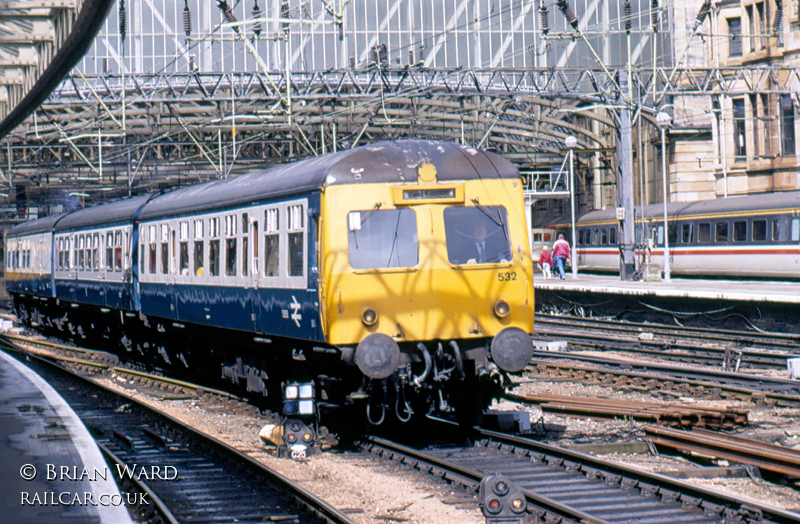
(427, 282)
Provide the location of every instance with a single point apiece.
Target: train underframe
(454, 378)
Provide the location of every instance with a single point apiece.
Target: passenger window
(295, 237)
(474, 235)
(213, 246)
(759, 230)
(95, 252)
(388, 238)
(612, 236)
(199, 248)
(126, 243)
(673, 234)
(795, 229)
(255, 247)
(603, 237)
(740, 231)
(152, 249)
(109, 251)
(173, 250)
(81, 253)
(164, 249)
(686, 233)
(118, 251)
(271, 243)
(721, 232)
(183, 247)
(704, 232)
(778, 230)
(245, 251)
(230, 245)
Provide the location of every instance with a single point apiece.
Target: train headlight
(298, 399)
(305, 407)
(369, 317)
(291, 392)
(501, 309)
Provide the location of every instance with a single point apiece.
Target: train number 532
(505, 276)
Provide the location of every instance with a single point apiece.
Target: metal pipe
(571, 142)
(426, 356)
(663, 119)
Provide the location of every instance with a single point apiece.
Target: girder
(169, 104)
(40, 40)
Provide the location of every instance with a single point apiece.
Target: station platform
(748, 305)
(711, 289)
(54, 471)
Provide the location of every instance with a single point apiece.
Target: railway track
(661, 414)
(562, 485)
(728, 350)
(768, 457)
(212, 481)
(678, 380)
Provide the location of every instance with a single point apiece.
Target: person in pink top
(545, 262)
(561, 254)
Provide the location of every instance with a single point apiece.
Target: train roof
(735, 204)
(31, 227)
(119, 212)
(392, 161)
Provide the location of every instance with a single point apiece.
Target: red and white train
(742, 236)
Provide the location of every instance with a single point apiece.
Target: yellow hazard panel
(428, 269)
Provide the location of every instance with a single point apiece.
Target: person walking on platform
(561, 254)
(545, 261)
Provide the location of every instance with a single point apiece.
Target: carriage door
(250, 263)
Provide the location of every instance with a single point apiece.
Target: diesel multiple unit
(395, 275)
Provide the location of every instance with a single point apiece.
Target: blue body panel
(117, 295)
(284, 312)
(65, 289)
(34, 285)
(90, 292)
(281, 312)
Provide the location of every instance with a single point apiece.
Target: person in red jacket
(545, 261)
(561, 252)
